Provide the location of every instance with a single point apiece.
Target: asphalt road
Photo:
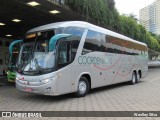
(144, 96)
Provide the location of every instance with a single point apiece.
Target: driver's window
(64, 53)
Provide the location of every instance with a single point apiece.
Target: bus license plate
(28, 90)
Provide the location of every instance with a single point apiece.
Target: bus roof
(83, 25)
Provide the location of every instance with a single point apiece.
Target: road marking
(154, 79)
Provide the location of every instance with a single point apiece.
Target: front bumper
(11, 76)
(43, 89)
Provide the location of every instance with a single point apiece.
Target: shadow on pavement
(71, 95)
(26, 96)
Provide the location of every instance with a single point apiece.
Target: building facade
(150, 17)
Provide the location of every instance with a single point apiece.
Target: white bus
(74, 57)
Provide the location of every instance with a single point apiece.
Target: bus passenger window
(104, 39)
(75, 44)
(92, 42)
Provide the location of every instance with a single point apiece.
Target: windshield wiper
(42, 70)
(31, 72)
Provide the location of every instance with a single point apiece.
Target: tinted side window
(105, 46)
(92, 42)
(112, 44)
(75, 44)
(117, 44)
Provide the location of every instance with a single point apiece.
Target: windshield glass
(14, 58)
(39, 50)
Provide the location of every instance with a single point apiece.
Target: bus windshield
(39, 50)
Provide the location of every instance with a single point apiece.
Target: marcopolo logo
(83, 60)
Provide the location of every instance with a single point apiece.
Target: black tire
(133, 81)
(82, 88)
(138, 78)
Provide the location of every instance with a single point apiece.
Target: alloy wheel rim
(134, 79)
(82, 87)
(138, 77)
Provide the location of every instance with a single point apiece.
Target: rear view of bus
(68, 57)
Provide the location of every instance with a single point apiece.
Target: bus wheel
(83, 87)
(138, 78)
(133, 81)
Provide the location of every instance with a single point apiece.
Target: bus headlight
(46, 81)
(17, 78)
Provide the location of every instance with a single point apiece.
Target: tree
(104, 13)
